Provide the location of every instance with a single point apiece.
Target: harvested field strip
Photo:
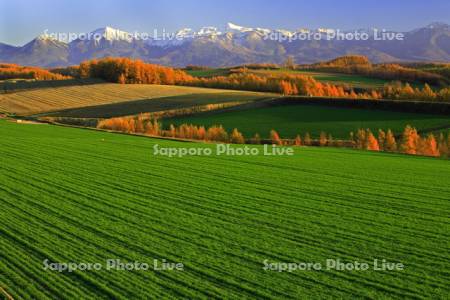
(60, 98)
(163, 104)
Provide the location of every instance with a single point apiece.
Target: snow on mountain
(325, 30)
(234, 27)
(209, 30)
(111, 34)
(230, 27)
(228, 45)
(263, 30)
(46, 37)
(285, 32)
(185, 33)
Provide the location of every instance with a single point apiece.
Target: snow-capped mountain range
(233, 45)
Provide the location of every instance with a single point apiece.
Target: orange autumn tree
(126, 70)
(360, 139)
(287, 88)
(134, 71)
(357, 64)
(371, 142)
(410, 140)
(13, 71)
(217, 133)
(397, 90)
(236, 137)
(322, 139)
(152, 127)
(430, 146)
(201, 133)
(390, 144)
(411, 143)
(275, 138)
(365, 140)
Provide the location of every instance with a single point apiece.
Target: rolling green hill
(68, 97)
(73, 195)
(178, 102)
(354, 81)
(290, 120)
(209, 72)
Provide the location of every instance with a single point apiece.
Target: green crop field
(74, 195)
(355, 81)
(209, 72)
(67, 97)
(290, 120)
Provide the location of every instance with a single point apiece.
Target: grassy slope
(352, 80)
(53, 99)
(356, 81)
(11, 85)
(160, 104)
(82, 196)
(291, 120)
(209, 72)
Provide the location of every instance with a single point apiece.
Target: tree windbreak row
(124, 70)
(410, 142)
(134, 71)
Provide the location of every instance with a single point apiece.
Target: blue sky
(22, 20)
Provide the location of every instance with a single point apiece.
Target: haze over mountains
(232, 45)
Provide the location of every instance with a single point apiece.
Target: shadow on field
(152, 105)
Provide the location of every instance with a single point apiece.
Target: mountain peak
(111, 34)
(230, 44)
(43, 41)
(234, 27)
(435, 25)
(208, 30)
(45, 37)
(185, 31)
